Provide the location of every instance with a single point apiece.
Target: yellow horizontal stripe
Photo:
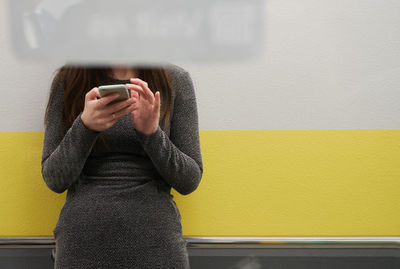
(255, 183)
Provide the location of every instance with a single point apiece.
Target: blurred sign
(132, 31)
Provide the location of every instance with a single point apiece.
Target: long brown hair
(78, 80)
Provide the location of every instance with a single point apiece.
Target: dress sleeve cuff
(147, 138)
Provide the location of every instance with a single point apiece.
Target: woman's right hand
(98, 115)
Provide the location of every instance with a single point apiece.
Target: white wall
(326, 65)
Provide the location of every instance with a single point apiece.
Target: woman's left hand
(146, 116)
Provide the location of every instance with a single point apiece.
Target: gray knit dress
(119, 212)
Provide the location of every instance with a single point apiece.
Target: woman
(119, 162)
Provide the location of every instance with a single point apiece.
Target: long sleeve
(64, 156)
(178, 158)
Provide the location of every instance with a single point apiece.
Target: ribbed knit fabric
(119, 212)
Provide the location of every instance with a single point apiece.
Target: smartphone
(121, 89)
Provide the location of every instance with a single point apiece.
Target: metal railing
(242, 242)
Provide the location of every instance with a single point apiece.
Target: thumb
(93, 94)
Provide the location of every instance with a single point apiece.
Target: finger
(113, 121)
(136, 105)
(138, 80)
(93, 94)
(149, 93)
(135, 94)
(135, 88)
(103, 101)
(145, 87)
(109, 121)
(120, 105)
(124, 111)
(157, 102)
